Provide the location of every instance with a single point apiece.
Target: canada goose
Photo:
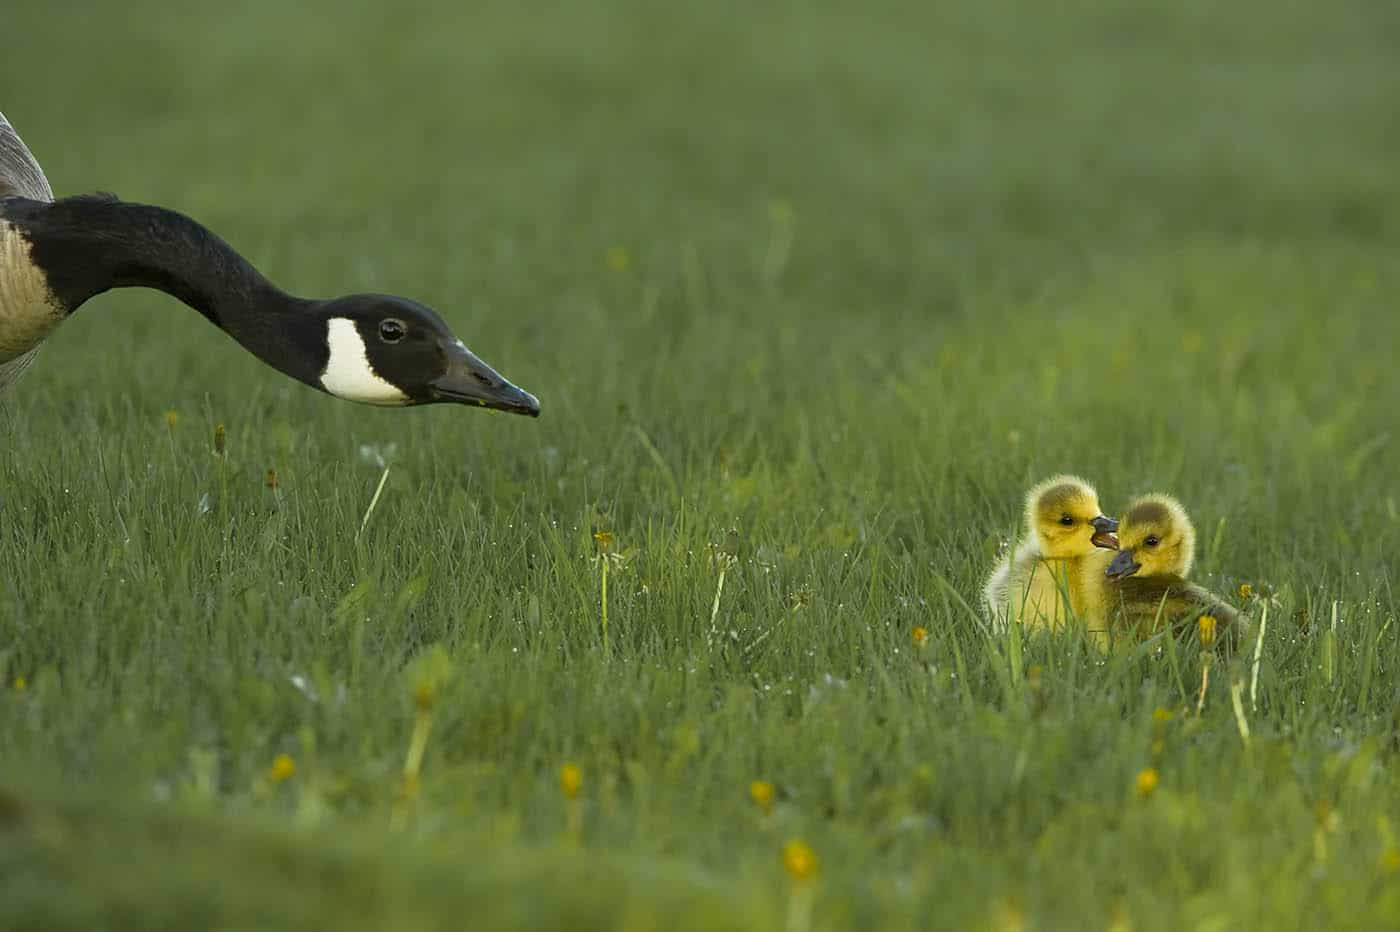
(1146, 580)
(370, 348)
(1064, 525)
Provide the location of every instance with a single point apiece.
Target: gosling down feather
(55, 255)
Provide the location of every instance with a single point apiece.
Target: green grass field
(820, 286)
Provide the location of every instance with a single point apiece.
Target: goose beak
(470, 381)
(1122, 566)
(1104, 531)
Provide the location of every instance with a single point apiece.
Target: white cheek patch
(349, 374)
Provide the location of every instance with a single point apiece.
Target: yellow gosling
(1130, 593)
(1064, 526)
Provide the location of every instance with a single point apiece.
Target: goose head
(369, 348)
(1063, 512)
(387, 350)
(1156, 538)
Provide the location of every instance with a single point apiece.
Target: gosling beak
(470, 381)
(1104, 531)
(1122, 566)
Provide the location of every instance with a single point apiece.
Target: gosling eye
(391, 330)
(1152, 540)
(1066, 520)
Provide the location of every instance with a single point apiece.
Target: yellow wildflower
(799, 860)
(1205, 625)
(920, 636)
(172, 417)
(619, 259)
(21, 684)
(570, 780)
(1390, 860)
(1008, 916)
(1119, 920)
(1162, 714)
(1146, 783)
(282, 769)
(761, 792)
(1246, 591)
(270, 480)
(605, 541)
(220, 440)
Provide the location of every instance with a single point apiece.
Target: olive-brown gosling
(1145, 583)
(1064, 526)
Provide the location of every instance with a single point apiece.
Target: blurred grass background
(843, 281)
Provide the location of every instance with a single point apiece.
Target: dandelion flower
(1390, 860)
(799, 860)
(220, 441)
(21, 684)
(1146, 783)
(570, 780)
(283, 768)
(1205, 625)
(1246, 591)
(1008, 916)
(1161, 714)
(605, 541)
(920, 635)
(172, 417)
(761, 792)
(618, 258)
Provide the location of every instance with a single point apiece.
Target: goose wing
(21, 175)
(19, 171)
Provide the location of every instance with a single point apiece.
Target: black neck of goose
(88, 245)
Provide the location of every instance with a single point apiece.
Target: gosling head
(1065, 517)
(1156, 538)
(386, 350)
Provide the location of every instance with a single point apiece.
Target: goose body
(55, 255)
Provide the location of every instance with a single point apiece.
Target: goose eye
(391, 330)
(1152, 541)
(1066, 520)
